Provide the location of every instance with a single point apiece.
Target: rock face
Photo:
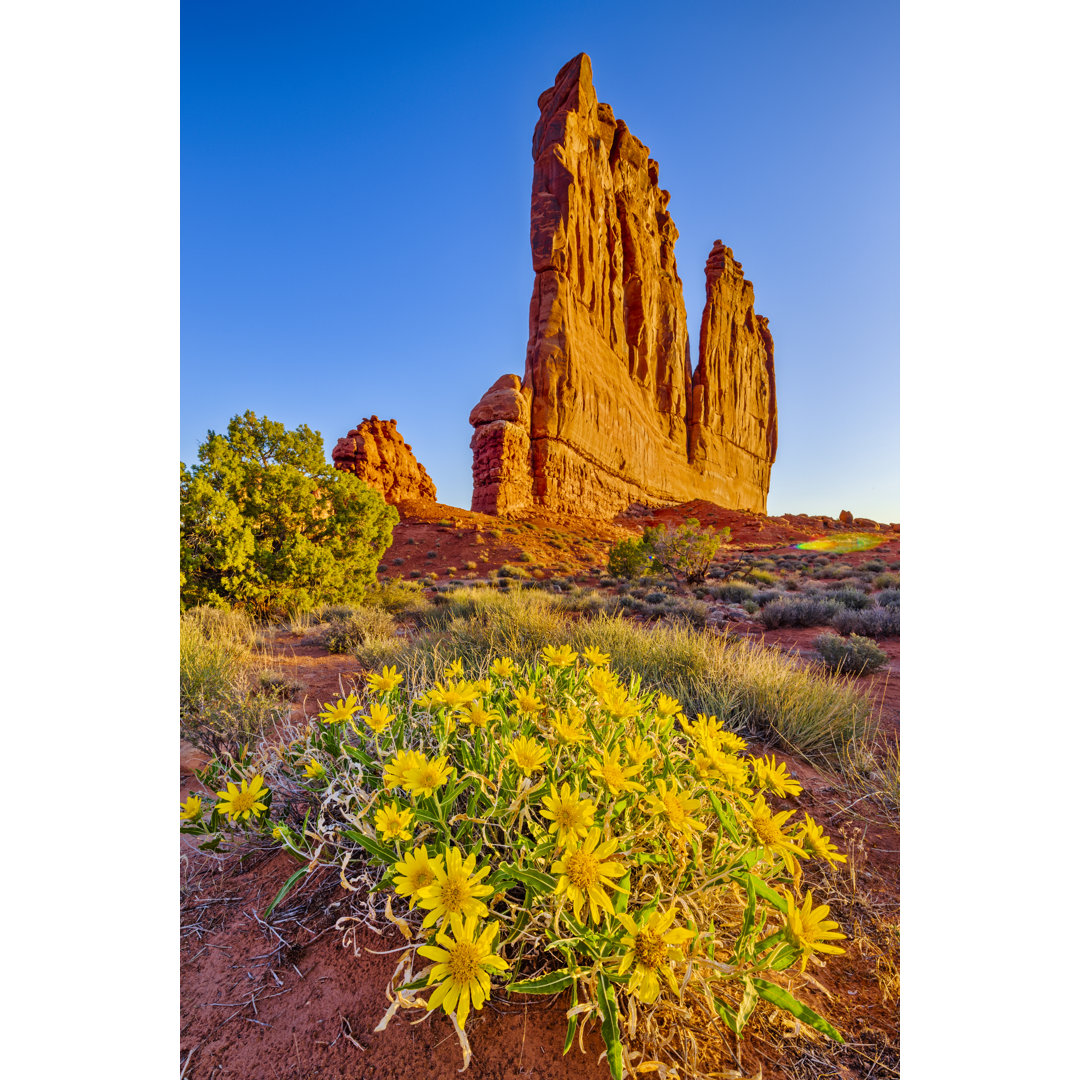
(609, 412)
(375, 451)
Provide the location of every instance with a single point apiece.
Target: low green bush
(875, 622)
(802, 611)
(853, 655)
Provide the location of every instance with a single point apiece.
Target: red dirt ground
(284, 998)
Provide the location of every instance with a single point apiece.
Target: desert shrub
(560, 852)
(791, 584)
(763, 577)
(734, 592)
(887, 581)
(687, 550)
(359, 629)
(508, 571)
(875, 622)
(431, 554)
(278, 683)
(221, 704)
(399, 561)
(750, 607)
(888, 598)
(267, 525)
(853, 655)
(630, 558)
(415, 573)
(875, 565)
(470, 565)
(803, 611)
(766, 596)
(851, 597)
(655, 597)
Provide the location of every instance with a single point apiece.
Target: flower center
(613, 776)
(583, 869)
(454, 893)
(423, 876)
(649, 949)
(244, 801)
(674, 809)
(464, 962)
(768, 831)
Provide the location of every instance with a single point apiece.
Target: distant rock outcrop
(609, 412)
(375, 451)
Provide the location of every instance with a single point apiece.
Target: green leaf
(778, 996)
(746, 1006)
(723, 816)
(572, 1023)
(724, 1012)
(609, 1028)
(372, 846)
(622, 894)
(764, 891)
(748, 920)
(540, 883)
(293, 879)
(553, 983)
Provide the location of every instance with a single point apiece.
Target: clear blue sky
(355, 210)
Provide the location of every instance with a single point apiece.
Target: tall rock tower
(609, 411)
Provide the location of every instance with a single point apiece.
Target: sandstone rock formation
(375, 451)
(609, 412)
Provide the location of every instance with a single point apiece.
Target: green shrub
(804, 611)
(267, 525)
(734, 592)
(763, 577)
(628, 558)
(875, 622)
(853, 655)
(888, 598)
(887, 581)
(686, 551)
(508, 571)
(851, 597)
(361, 628)
(221, 704)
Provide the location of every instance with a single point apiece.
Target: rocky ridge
(609, 412)
(375, 451)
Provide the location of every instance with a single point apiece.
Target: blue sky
(355, 186)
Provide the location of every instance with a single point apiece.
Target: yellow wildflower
(585, 875)
(387, 681)
(652, 946)
(617, 702)
(456, 890)
(455, 670)
(569, 814)
(425, 776)
(404, 760)
(463, 964)
(562, 657)
(393, 822)
(243, 801)
(808, 931)
(667, 706)
(450, 696)
(313, 770)
(570, 730)
(527, 700)
(503, 668)
(614, 774)
(483, 686)
(714, 763)
(379, 718)
(340, 711)
(638, 750)
(774, 778)
(475, 715)
(191, 807)
(417, 871)
(769, 829)
(528, 755)
(601, 680)
(596, 658)
(676, 807)
(818, 844)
